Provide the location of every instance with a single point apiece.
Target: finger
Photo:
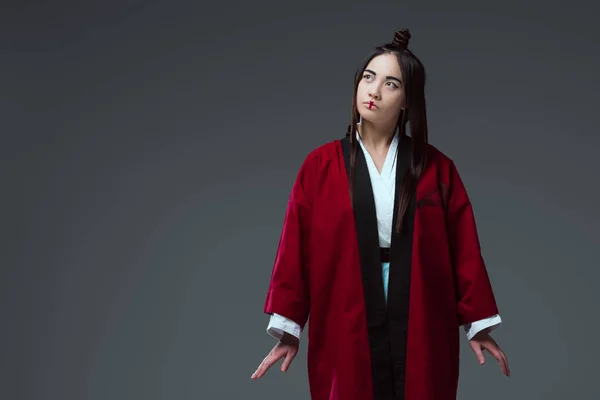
(479, 353)
(288, 360)
(505, 362)
(262, 368)
(498, 356)
(258, 370)
(265, 365)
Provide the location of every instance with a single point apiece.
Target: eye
(392, 84)
(367, 76)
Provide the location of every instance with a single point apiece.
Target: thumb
(479, 353)
(288, 360)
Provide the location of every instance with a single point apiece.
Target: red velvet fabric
(317, 273)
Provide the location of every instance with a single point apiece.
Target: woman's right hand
(286, 348)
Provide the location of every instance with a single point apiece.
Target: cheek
(360, 91)
(395, 101)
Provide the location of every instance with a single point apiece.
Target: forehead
(385, 64)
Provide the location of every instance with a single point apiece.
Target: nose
(374, 93)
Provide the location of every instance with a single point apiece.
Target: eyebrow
(387, 77)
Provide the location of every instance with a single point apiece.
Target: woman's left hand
(483, 341)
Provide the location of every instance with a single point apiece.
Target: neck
(376, 136)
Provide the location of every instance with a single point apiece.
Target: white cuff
(490, 323)
(279, 324)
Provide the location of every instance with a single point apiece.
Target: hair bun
(401, 38)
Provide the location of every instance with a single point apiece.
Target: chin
(370, 116)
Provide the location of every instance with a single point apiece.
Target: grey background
(148, 149)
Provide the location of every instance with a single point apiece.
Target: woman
(380, 247)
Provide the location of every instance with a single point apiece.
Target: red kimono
(328, 269)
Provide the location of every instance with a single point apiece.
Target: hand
(483, 341)
(287, 347)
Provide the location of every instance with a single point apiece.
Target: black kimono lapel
(387, 325)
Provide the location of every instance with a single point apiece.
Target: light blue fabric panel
(385, 270)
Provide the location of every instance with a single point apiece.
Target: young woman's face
(380, 94)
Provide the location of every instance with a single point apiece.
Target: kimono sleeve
(288, 293)
(476, 299)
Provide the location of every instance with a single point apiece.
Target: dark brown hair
(413, 73)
